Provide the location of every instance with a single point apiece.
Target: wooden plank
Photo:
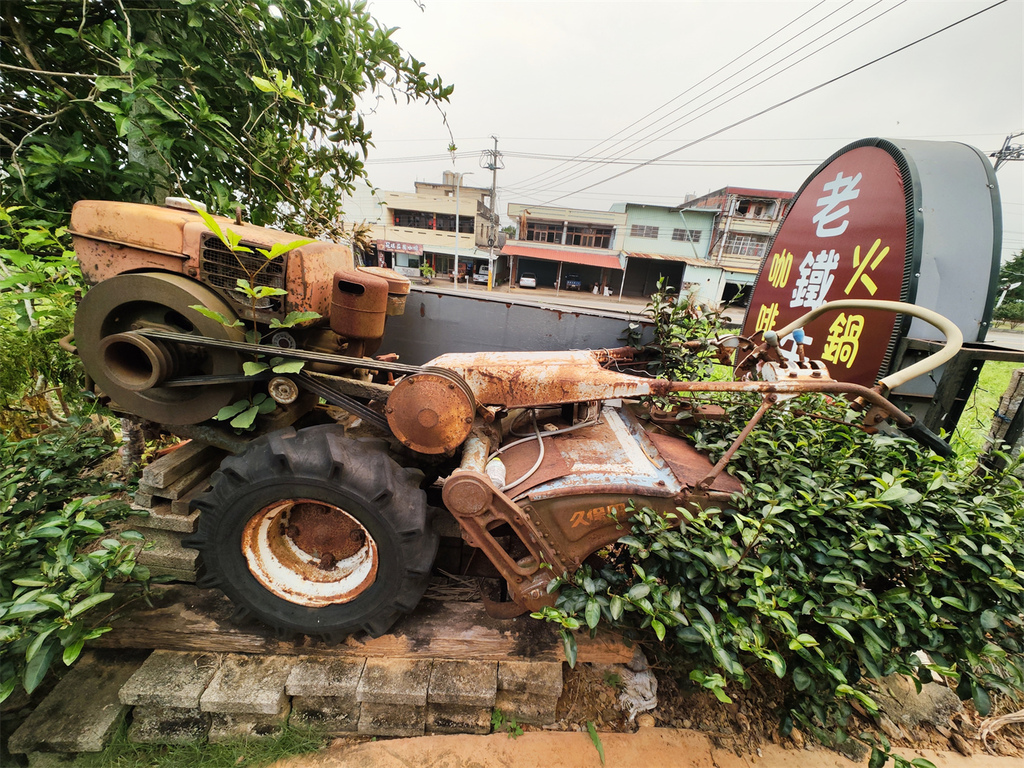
(165, 470)
(185, 618)
(181, 506)
(186, 483)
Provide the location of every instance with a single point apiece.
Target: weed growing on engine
(242, 413)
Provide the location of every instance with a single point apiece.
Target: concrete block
(328, 714)
(248, 685)
(527, 707)
(82, 712)
(170, 679)
(335, 678)
(162, 517)
(226, 726)
(394, 681)
(176, 574)
(51, 759)
(392, 719)
(454, 718)
(541, 678)
(163, 548)
(168, 725)
(466, 683)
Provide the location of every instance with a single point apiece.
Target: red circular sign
(845, 237)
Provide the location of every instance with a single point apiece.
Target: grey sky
(557, 78)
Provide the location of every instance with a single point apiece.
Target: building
(563, 246)
(408, 229)
(746, 221)
(670, 243)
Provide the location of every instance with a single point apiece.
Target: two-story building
(563, 246)
(671, 243)
(747, 219)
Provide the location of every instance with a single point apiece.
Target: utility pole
(491, 160)
(1009, 151)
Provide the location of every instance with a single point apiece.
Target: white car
(527, 280)
(480, 276)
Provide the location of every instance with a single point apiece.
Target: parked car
(527, 280)
(480, 276)
(573, 283)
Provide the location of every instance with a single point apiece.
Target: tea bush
(845, 555)
(56, 558)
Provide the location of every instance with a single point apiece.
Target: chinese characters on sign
(849, 227)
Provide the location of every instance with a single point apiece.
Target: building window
(744, 245)
(686, 235)
(588, 237)
(641, 230)
(543, 233)
(444, 222)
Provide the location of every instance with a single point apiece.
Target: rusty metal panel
(613, 456)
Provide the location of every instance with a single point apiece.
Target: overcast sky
(562, 83)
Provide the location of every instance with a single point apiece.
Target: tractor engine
(153, 269)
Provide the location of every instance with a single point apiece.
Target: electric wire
(784, 102)
(689, 117)
(754, 47)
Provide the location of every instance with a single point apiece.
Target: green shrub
(56, 558)
(39, 278)
(1011, 312)
(845, 555)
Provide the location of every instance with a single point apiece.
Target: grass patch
(122, 753)
(970, 434)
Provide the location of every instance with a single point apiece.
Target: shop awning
(667, 257)
(586, 258)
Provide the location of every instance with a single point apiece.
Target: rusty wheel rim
(309, 552)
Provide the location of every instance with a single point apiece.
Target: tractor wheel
(315, 533)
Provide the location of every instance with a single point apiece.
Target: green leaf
(72, 651)
(638, 591)
(289, 366)
(595, 739)
(982, 702)
(245, 419)
(659, 629)
(842, 632)
(920, 762)
(251, 368)
(89, 602)
(615, 606)
(593, 613)
(569, 644)
(878, 758)
(36, 669)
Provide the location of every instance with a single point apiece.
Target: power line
(682, 120)
(784, 102)
(695, 85)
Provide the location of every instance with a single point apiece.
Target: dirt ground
(688, 729)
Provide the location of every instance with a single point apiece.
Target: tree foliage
(218, 100)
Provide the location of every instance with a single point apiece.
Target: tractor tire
(315, 533)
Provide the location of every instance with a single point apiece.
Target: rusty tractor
(320, 522)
